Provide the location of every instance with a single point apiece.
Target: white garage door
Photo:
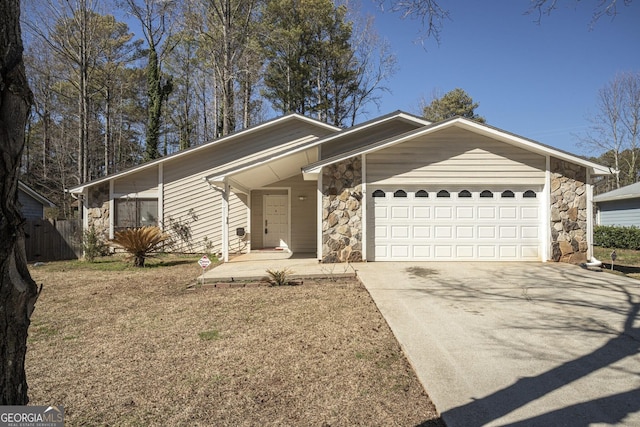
(452, 224)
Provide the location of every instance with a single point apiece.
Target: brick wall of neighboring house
(342, 211)
(568, 212)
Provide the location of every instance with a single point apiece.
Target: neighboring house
(393, 188)
(32, 203)
(619, 207)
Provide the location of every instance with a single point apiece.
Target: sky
(540, 81)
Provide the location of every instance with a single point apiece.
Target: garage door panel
(487, 212)
(381, 232)
(529, 232)
(464, 232)
(508, 232)
(381, 212)
(508, 212)
(443, 212)
(464, 212)
(508, 251)
(421, 251)
(465, 251)
(486, 232)
(421, 232)
(443, 231)
(399, 231)
(400, 212)
(455, 228)
(443, 251)
(486, 252)
(529, 213)
(400, 251)
(421, 212)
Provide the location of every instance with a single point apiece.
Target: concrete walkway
(254, 266)
(516, 344)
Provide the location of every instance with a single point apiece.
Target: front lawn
(627, 261)
(123, 346)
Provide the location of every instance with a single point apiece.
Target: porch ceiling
(271, 170)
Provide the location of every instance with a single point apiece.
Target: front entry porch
(253, 266)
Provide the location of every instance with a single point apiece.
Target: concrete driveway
(517, 344)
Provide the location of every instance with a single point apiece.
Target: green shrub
(609, 236)
(93, 245)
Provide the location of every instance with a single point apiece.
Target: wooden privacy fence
(52, 240)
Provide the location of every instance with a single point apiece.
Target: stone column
(568, 212)
(342, 211)
(98, 209)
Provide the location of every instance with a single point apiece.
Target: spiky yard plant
(279, 277)
(140, 242)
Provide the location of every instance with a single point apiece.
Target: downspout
(589, 207)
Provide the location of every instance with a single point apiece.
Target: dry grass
(138, 348)
(627, 262)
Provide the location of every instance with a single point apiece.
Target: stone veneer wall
(98, 209)
(342, 211)
(568, 212)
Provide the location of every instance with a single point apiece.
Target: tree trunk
(18, 292)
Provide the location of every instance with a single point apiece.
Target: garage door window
(378, 193)
(486, 194)
(443, 193)
(529, 194)
(508, 194)
(464, 193)
(422, 193)
(400, 193)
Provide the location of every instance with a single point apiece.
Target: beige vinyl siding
(139, 184)
(237, 218)
(365, 137)
(185, 191)
(455, 156)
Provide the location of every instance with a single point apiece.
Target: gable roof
(301, 152)
(463, 123)
(236, 135)
(35, 195)
(627, 192)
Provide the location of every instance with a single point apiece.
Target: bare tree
(615, 127)
(18, 292)
(432, 13)
(602, 8)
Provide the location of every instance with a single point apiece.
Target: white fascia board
(310, 176)
(529, 145)
(472, 126)
(244, 132)
(241, 168)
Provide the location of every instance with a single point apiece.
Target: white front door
(276, 221)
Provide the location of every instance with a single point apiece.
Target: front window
(132, 213)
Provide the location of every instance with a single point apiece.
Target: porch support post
(225, 221)
(320, 213)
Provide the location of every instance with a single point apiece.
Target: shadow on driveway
(517, 344)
